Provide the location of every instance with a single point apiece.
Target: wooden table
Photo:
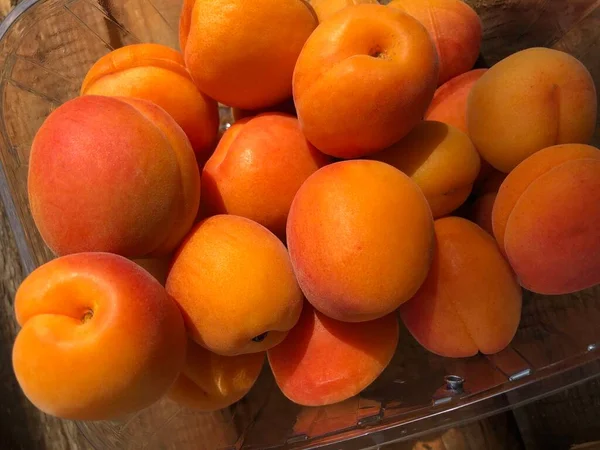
(566, 418)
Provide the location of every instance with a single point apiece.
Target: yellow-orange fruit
(455, 28)
(209, 382)
(327, 8)
(242, 52)
(470, 301)
(157, 73)
(112, 174)
(360, 236)
(480, 211)
(257, 169)
(545, 219)
(442, 161)
(324, 361)
(530, 100)
(449, 104)
(100, 337)
(363, 80)
(233, 280)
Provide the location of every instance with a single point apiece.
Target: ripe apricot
(323, 361)
(242, 52)
(442, 161)
(233, 280)
(455, 28)
(470, 301)
(209, 382)
(257, 169)
(157, 73)
(327, 8)
(100, 337)
(545, 219)
(360, 236)
(363, 80)
(530, 100)
(112, 174)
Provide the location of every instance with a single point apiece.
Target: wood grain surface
(571, 417)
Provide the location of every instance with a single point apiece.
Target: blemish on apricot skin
(89, 314)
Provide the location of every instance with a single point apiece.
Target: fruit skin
(530, 100)
(327, 8)
(480, 211)
(470, 301)
(442, 161)
(233, 280)
(363, 80)
(100, 337)
(360, 237)
(157, 73)
(209, 382)
(456, 30)
(324, 361)
(97, 186)
(257, 169)
(449, 104)
(545, 219)
(242, 52)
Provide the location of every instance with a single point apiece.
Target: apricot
(115, 175)
(360, 236)
(323, 361)
(100, 337)
(157, 73)
(242, 52)
(257, 169)
(449, 104)
(470, 301)
(530, 100)
(326, 8)
(233, 280)
(545, 219)
(456, 31)
(157, 267)
(209, 382)
(442, 161)
(363, 80)
(480, 211)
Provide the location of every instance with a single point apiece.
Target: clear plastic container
(46, 48)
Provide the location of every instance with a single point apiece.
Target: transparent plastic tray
(46, 48)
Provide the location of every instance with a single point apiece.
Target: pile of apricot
(323, 216)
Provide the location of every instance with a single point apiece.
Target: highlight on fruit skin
(323, 361)
(545, 219)
(209, 382)
(100, 338)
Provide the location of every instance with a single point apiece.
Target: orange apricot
(442, 161)
(323, 361)
(157, 73)
(533, 99)
(100, 337)
(327, 8)
(470, 301)
(363, 80)
(257, 169)
(233, 280)
(97, 185)
(242, 52)
(209, 382)
(360, 236)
